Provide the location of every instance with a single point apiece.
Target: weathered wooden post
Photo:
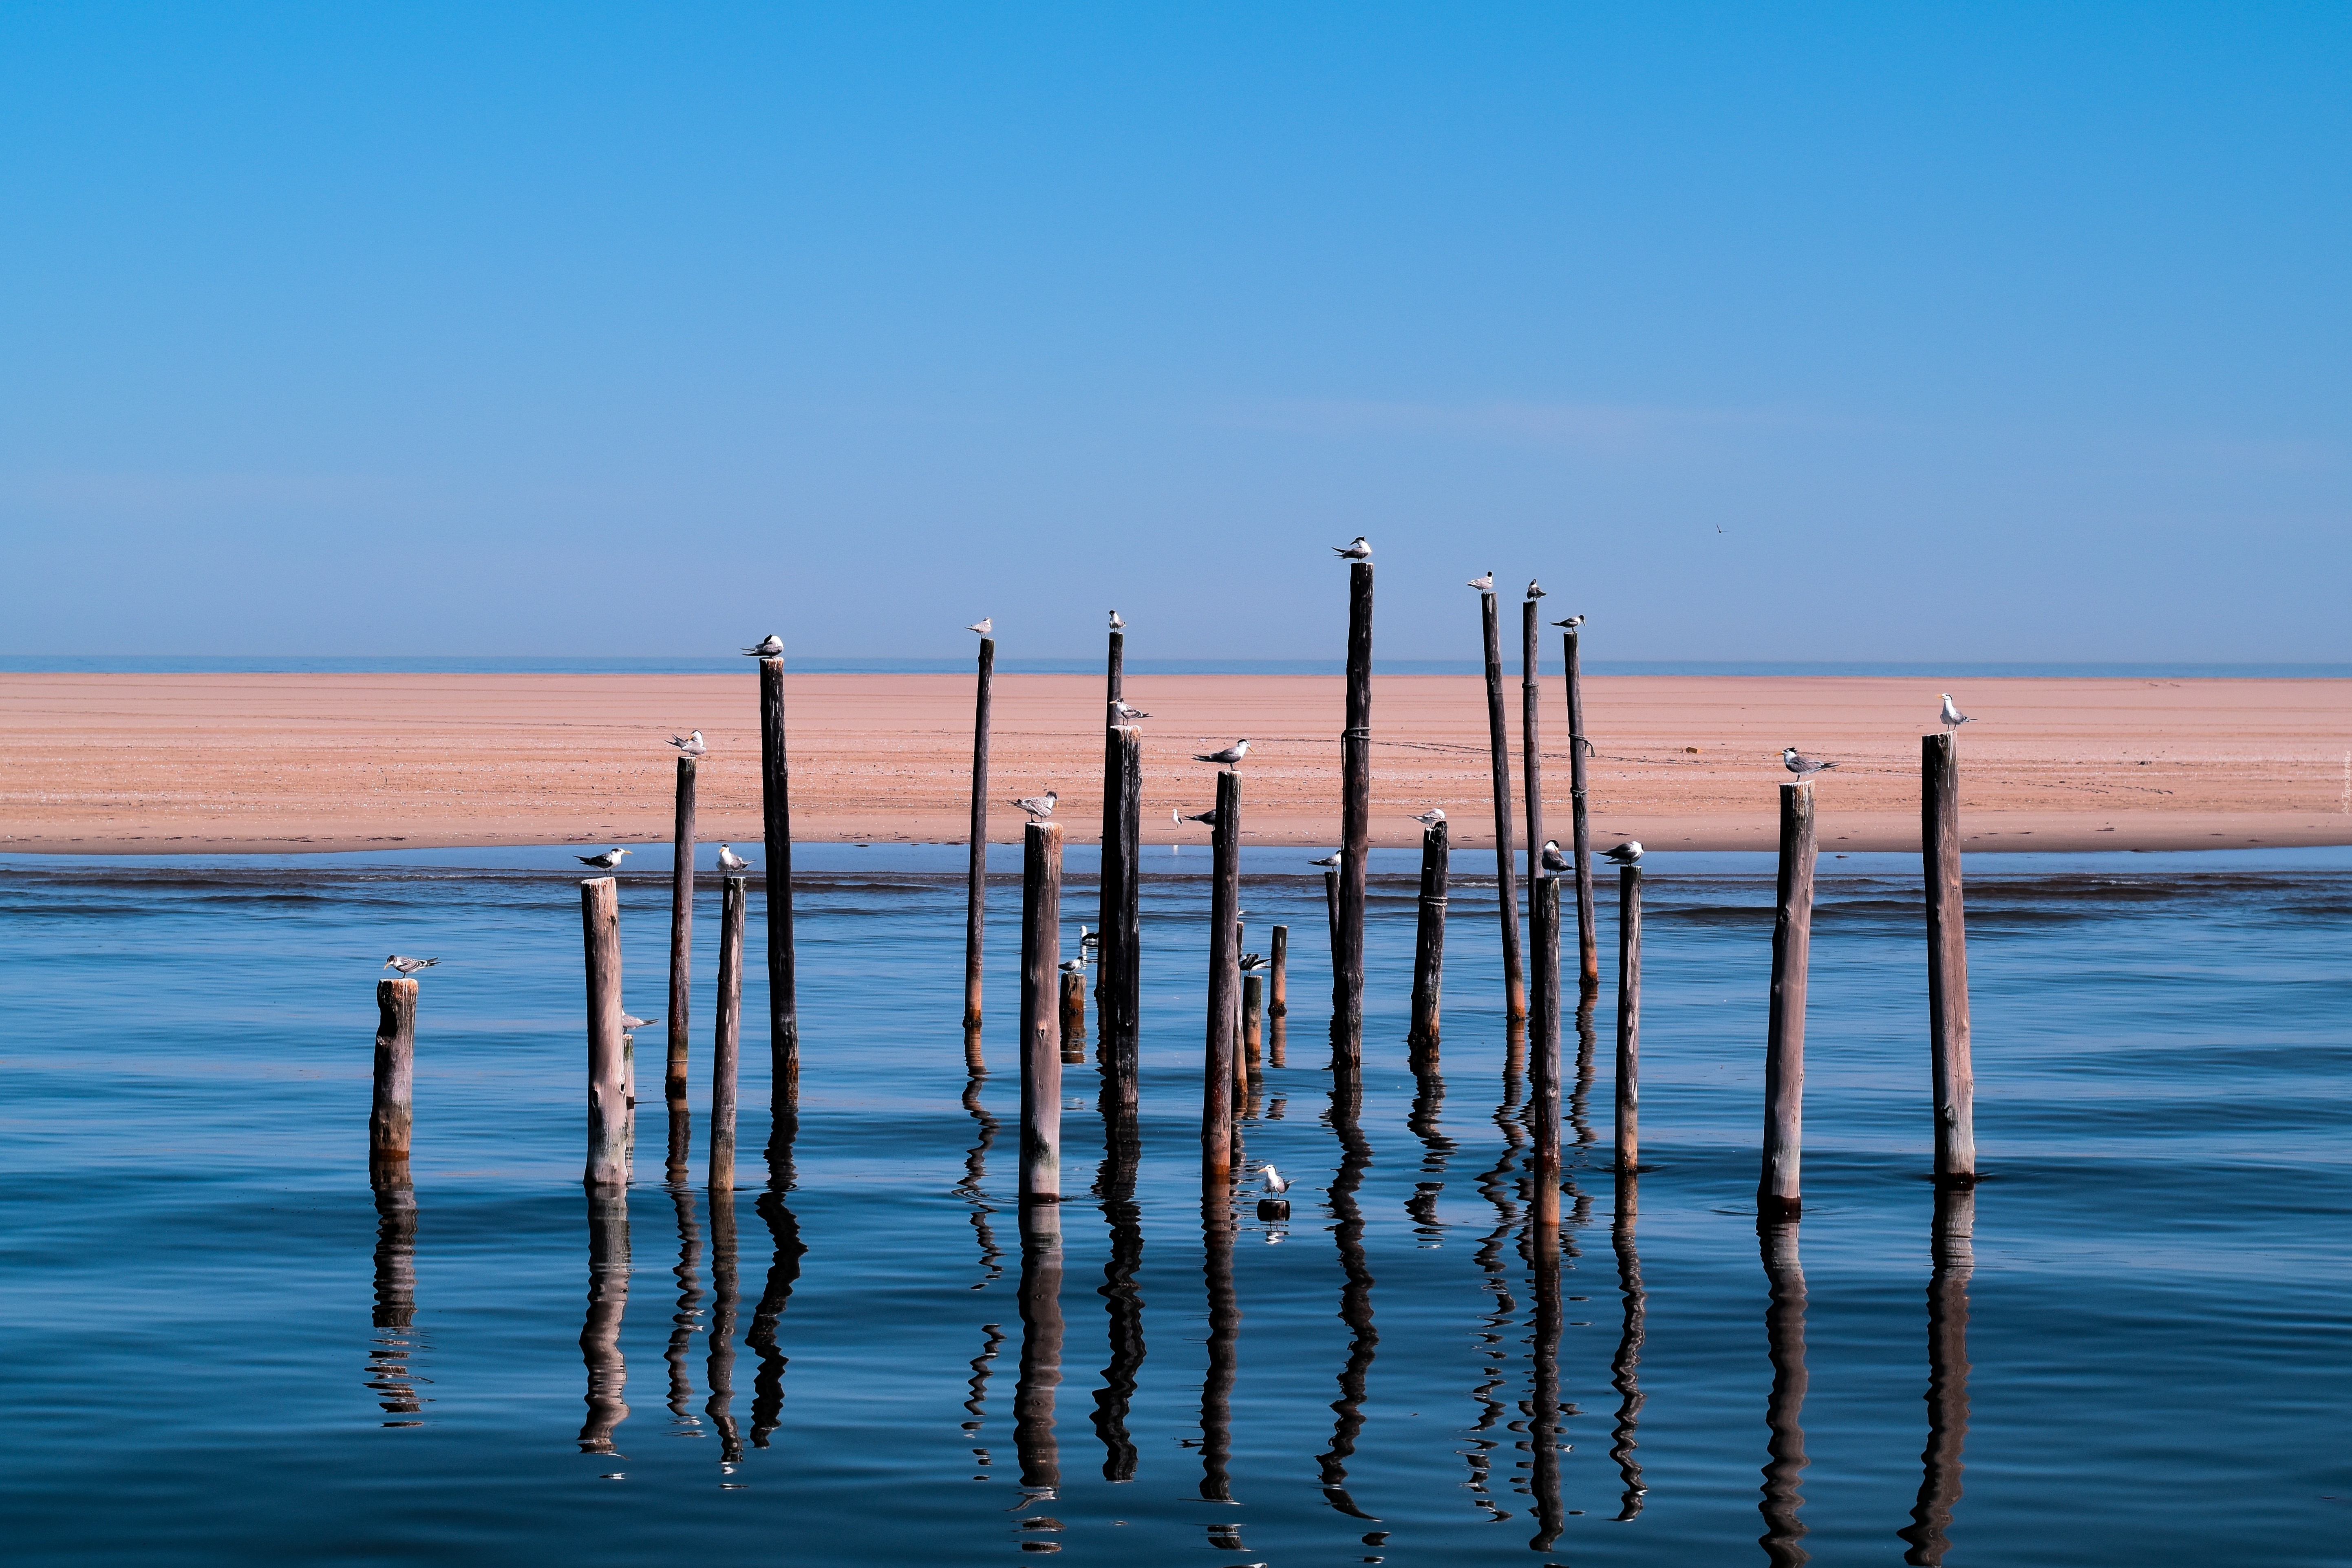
(608, 1094)
(1777, 1194)
(1122, 920)
(1253, 1062)
(1506, 881)
(975, 913)
(681, 933)
(1530, 729)
(727, 1043)
(1225, 977)
(1629, 1020)
(1041, 1053)
(1429, 945)
(1331, 928)
(1278, 992)
(776, 802)
(1947, 960)
(1073, 1016)
(1355, 819)
(392, 1111)
(1543, 1043)
(1588, 939)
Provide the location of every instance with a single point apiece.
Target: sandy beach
(162, 763)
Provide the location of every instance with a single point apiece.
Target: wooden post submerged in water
(392, 1112)
(1543, 1049)
(608, 1107)
(1041, 1031)
(1073, 1016)
(1224, 984)
(1629, 1020)
(1278, 992)
(1506, 884)
(1947, 960)
(1530, 730)
(1119, 986)
(975, 911)
(1777, 1194)
(1429, 946)
(1588, 941)
(726, 1050)
(776, 803)
(681, 934)
(1355, 823)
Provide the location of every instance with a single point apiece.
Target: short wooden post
(1277, 995)
(391, 1112)
(975, 913)
(1041, 1042)
(608, 1094)
(1225, 977)
(681, 933)
(1543, 1042)
(727, 1044)
(1507, 876)
(1073, 1017)
(1947, 962)
(1530, 729)
(1429, 945)
(1588, 938)
(1777, 1193)
(1253, 1062)
(1355, 819)
(776, 804)
(1629, 1020)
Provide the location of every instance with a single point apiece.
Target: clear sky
(1968, 332)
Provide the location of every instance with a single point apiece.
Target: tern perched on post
(630, 1025)
(408, 966)
(1207, 818)
(1075, 966)
(1127, 712)
(1432, 817)
(1570, 624)
(1553, 860)
(1039, 806)
(1333, 858)
(769, 647)
(1534, 589)
(731, 861)
(604, 862)
(984, 625)
(1359, 549)
(1626, 854)
(1118, 622)
(690, 745)
(1952, 717)
(1484, 585)
(1228, 757)
(1804, 767)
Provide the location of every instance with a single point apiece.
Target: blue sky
(1866, 333)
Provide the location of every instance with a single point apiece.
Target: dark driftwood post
(392, 1112)
(1506, 881)
(1588, 941)
(608, 1110)
(681, 933)
(1530, 727)
(1277, 986)
(1355, 820)
(1629, 1019)
(1114, 863)
(1331, 929)
(1225, 978)
(1784, 1051)
(1947, 960)
(1073, 1016)
(776, 801)
(1543, 1048)
(727, 1043)
(1118, 986)
(1041, 1042)
(976, 882)
(1429, 945)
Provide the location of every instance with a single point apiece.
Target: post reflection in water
(1625, 1369)
(1217, 1228)
(1784, 1333)
(1580, 1097)
(686, 1319)
(1356, 1294)
(608, 1299)
(783, 1272)
(1543, 1411)
(1116, 1186)
(1041, 1355)
(726, 1284)
(1499, 1186)
(1947, 1376)
(389, 1375)
(975, 1172)
(1424, 1123)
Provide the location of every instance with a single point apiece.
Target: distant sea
(594, 664)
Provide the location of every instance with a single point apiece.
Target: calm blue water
(194, 1366)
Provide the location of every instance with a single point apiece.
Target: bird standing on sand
(1333, 858)
(1534, 589)
(1118, 622)
(604, 862)
(1804, 767)
(1570, 624)
(1432, 817)
(1952, 717)
(690, 745)
(1484, 585)
(731, 861)
(769, 647)
(1359, 549)
(1553, 860)
(1126, 711)
(1626, 854)
(408, 966)
(1228, 757)
(984, 625)
(1207, 818)
(1275, 1181)
(1039, 806)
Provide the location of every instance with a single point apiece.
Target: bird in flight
(1126, 710)
(1804, 767)
(690, 745)
(1484, 585)
(1118, 622)
(984, 625)
(1534, 589)
(731, 861)
(1432, 817)
(769, 647)
(604, 862)
(1626, 854)
(1333, 858)
(409, 966)
(1553, 860)
(1570, 624)
(1952, 717)
(1208, 818)
(1229, 756)
(1039, 806)
(1360, 549)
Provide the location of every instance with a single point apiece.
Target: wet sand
(162, 764)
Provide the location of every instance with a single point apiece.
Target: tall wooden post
(1543, 1048)
(1588, 939)
(727, 1043)
(392, 1112)
(1331, 929)
(1119, 978)
(1530, 729)
(1629, 1020)
(681, 933)
(1947, 960)
(1277, 994)
(1507, 877)
(1429, 945)
(776, 799)
(1355, 819)
(1115, 863)
(1041, 1025)
(1224, 982)
(975, 913)
(608, 1095)
(1777, 1193)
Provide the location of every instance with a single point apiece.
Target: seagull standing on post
(1534, 589)
(1332, 859)
(1228, 757)
(1432, 817)
(1570, 624)
(604, 862)
(409, 966)
(1626, 854)
(731, 861)
(984, 625)
(769, 647)
(1360, 549)
(1117, 623)
(1553, 860)
(1039, 806)
(1126, 711)
(1804, 767)
(690, 745)
(1484, 585)
(1952, 717)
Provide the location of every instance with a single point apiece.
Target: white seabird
(409, 966)
(1126, 710)
(1484, 585)
(690, 745)
(1626, 854)
(1952, 717)
(1275, 1181)
(1333, 858)
(769, 647)
(731, 861)
(1074, 966)
(1252, 962)
(1118, 622)
(1553, 860)
(1804, 767)
(984, 625)
(1207, 818)
(604, 862)
(1570, 624)
(630, 1025)
(1534, 589)
(1229, 756)
(1039, 806)
(1359, 549)
(1432, 817)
